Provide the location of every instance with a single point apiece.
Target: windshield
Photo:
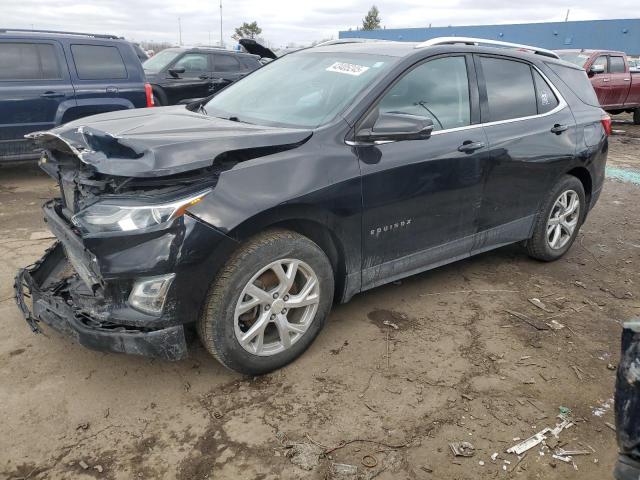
(160, 60)
(305, 89)
(576, 58)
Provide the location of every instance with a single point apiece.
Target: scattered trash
(390, 324)
(83, 464)
(467, 397)
(344, 470)
(481, 463)
(369, 461)
(568, 453)
(304, 455)
(565, 411)
(580, 284)
(611, 366)
(554, 325)
(603, 408)
(563, 459)
(529, 443)
(538, 303)
(535, 323)
(83, 426)
(462, 449)
(494, 456)
(99, 468)
(610, 425)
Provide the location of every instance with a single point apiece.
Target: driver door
(194, 82)
(421, 197)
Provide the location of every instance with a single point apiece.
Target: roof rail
(483, 41)
(58, 32)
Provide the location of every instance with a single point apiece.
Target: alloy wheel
(563, 219)
(276, 307)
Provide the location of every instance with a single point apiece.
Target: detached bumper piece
(627, 404)
(43, 294)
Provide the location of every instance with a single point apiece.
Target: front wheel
(559, 220)
(268, 303)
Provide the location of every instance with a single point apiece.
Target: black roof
(20, 32)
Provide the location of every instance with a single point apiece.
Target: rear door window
(616, 64)
(510, 89)
(98, 62)
(437, 89)
(545, 97)
(29, 61)
(225, 63)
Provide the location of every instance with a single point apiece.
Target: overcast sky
(286, 21)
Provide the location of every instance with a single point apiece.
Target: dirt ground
(458, 367)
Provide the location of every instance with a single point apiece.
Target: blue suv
(50, 78)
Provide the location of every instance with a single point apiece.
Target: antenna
(179, 31)
(221, 42)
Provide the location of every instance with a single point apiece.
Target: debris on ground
(99, 468)
(390, 324)
(554, 325)
(538, 303)
(41, 235)
(535, 323)
(304, 455)
(603, 408)
(83, 464)
(462, 449)
(343, 471)
(540, 437)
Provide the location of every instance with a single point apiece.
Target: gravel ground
(458, 367)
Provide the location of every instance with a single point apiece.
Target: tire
(636, 116)
(220, 326)
(539, 246)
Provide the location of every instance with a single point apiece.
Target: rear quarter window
(577, 81)
(98, 62)
(510, 90)
(28, 61)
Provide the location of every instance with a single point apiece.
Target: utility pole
(179, 31)
(221, 43)
(566, 19)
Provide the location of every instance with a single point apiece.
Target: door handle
(203, 77)
(558, 129)
(627, 79)
(605, 79)
(50, 94)
(469, 147)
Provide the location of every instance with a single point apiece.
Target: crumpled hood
(153, 142)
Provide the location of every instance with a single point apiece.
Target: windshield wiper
(202, 109)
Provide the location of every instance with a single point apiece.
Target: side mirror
(393, 127)
(595, 69)
(175, 72)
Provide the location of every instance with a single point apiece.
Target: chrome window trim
(562, 104)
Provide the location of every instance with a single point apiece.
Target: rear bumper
(48, 288)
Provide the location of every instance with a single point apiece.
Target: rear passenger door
(35, 90)
(620, 80)
(226, 69)
(531, 133)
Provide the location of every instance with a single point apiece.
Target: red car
(618, 89)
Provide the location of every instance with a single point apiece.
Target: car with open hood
(323, 174)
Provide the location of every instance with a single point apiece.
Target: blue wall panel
(621, 35)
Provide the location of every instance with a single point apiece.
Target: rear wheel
(268, 304)
(559, 220)
(636, 116)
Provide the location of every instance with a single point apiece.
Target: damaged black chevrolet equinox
(323, 174)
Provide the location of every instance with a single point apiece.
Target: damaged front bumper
(47, 285)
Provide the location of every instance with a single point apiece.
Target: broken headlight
(111, 216)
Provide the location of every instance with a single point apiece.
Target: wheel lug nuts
(275, 295)
(267, 307)
(286, 297)
(284, 310)
(273, 317)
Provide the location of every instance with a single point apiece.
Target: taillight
(149, 93)
(606, 124)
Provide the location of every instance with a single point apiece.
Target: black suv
(325, 173)
(48, 78)
(185, 74)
